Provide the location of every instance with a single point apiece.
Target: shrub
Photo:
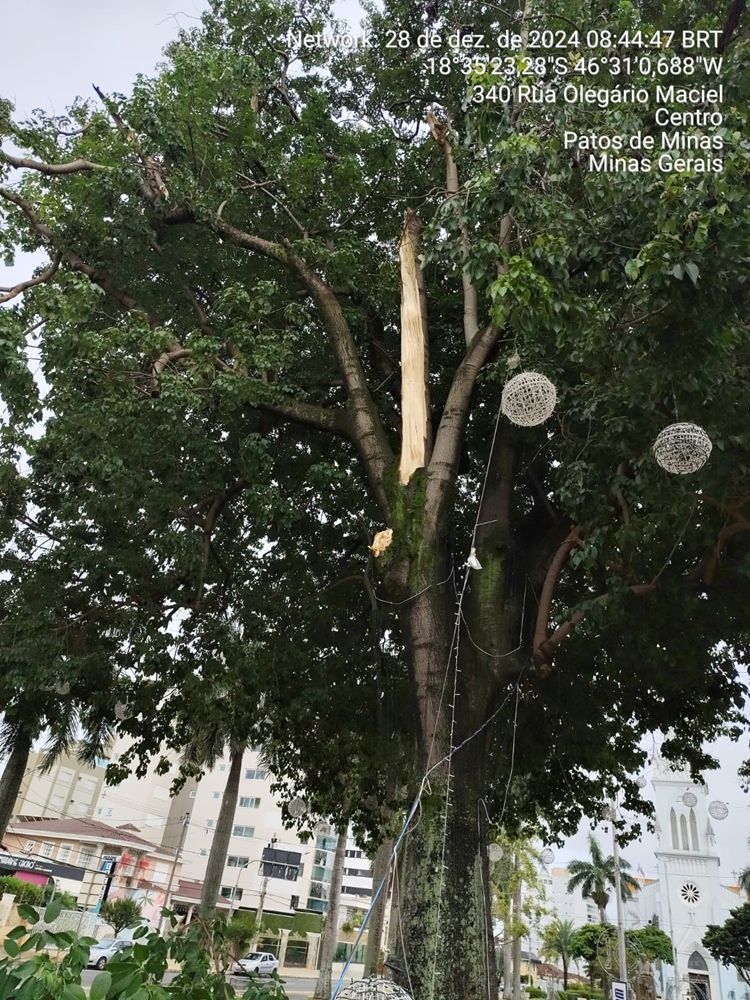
(121, 913)
(24, 892)
(29, 970)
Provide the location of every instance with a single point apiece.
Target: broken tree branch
(415, 395)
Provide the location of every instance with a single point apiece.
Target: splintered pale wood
(415, 404)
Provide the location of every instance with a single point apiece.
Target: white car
(257, 962)
(105, 950)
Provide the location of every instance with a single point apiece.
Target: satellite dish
(547, 856)
(297, 808)
(718, 810)
(689, 800)
(494, 853)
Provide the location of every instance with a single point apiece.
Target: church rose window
(690, 894)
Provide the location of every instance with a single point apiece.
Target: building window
(694, 830)
(216, 795)
(237, 861)
(255, 774)
(193, 794)
(243, 831)
(673, 825)
(65, 775)
(210, 823)
(231, 892)
(85, 857)
(697, 962)
(246, 802)
(57, 802)
(64, 853)
(683, 831)
(47, 849)
(204, 852)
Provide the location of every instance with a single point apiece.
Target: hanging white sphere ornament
(297, 808)
(528, 399)
(682, 448)
(547, 856)
(373, 989)
(718, 810)
(641, 781)
(494, 853)
(689, 800)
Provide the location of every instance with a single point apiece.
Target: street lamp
(240, 869)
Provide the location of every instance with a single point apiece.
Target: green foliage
(730, 943)
(651, 943)
(121, 913)
(24, 892)
(596, 876)
(28, 971)
(557, 943)
(241, 930)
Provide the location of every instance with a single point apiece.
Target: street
(297, 988)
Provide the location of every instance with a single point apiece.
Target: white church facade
(688, 894)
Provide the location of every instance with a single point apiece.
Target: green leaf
(633, 268)
(53, 911)
(692, 272)
(100, 986)
(28, 913)
(11, 947)
(678, 271)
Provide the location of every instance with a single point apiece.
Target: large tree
(237, 253)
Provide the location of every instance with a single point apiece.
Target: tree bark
(380, 871)
(217, 858)
(331, 929)
(10, 783)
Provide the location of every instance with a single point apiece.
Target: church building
(688, 894)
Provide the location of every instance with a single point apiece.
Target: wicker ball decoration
(641, 781)
(689, 800)
(682, 448)
(718, 810)
(528, 399)
(373, 989)
(547, 856)
(297, 808)
(495, 853)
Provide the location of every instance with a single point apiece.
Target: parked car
(105, 950)
(257, 962)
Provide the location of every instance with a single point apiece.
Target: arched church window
(697, 962)
(684, 832)
(673, 824)
(694, 830)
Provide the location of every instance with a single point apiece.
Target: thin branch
(548, 589)
(50, 169)
(449, 439)
(153, 187)
(439, 132)
(96, 276)
(40, 279)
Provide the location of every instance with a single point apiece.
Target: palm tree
(597, 876)
(557, 942)
(744, 880)
(331, 926)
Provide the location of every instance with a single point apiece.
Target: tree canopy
(214, 435)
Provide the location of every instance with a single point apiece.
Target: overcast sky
(54, 51)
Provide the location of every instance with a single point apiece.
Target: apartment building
(292, 876)
(87, 858)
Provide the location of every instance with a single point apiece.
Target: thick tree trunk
(331, 929)
(10, 782)
(380, 871)
(217, 858)
(507, 968)
(565, 974)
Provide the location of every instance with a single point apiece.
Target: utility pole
(622, 960)
(517, 919)
(177, 853)
(261, 901)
